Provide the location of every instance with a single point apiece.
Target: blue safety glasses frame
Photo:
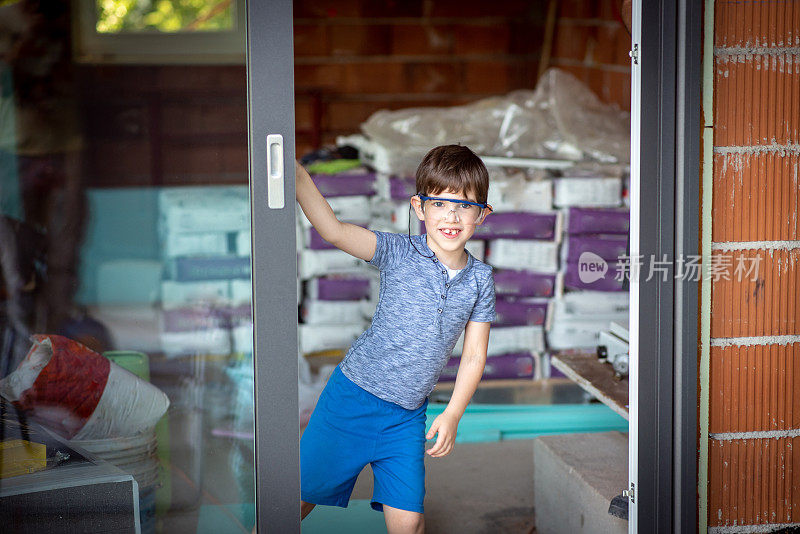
(482, 205)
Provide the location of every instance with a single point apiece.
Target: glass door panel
(125, 309)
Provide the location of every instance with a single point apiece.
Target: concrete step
(575, 477)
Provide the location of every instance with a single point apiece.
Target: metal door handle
(275, 171)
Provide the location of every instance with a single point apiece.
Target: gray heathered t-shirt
(420, 315)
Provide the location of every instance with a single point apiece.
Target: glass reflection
(121, 16)
(125, 295)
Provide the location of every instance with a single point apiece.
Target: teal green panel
(487, 422)
(357, 517)
(10, 197)
(122, 225)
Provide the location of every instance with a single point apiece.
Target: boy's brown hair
(453, 167)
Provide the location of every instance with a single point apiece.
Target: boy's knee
(403, 521)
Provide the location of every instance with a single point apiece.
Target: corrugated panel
(755, 388)
(757, 99)
(754, 23)
(751, 482)
(756, 197)
(767, 304)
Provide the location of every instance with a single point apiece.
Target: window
(160, 31)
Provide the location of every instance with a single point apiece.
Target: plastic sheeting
(560, 119)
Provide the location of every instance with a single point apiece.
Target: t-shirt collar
(426, 250)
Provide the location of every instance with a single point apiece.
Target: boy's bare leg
(402, 521)
(305, 509)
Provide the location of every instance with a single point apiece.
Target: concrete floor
(479, 488)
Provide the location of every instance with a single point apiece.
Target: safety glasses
(466, 211)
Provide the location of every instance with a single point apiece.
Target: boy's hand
(446, 425)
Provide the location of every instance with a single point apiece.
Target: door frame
(666, 137)
(666, 141)
(270, 96)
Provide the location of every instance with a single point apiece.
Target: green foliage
(120, 16)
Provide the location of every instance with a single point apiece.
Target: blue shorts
(351, 428)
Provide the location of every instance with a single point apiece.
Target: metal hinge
(634, 54)
(630, 493)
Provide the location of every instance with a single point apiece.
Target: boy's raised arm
(350, 238)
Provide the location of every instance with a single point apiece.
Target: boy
(431, 289)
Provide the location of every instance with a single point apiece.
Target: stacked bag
(592, 283)
(338, 289)
(543, 221)
(205, 299)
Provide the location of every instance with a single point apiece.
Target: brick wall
(591, 42)
(162, 125)
(755, 322)
(355, 57)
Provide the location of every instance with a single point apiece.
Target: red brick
(616, 89)
(120, 80)
(578, 9)
(751, 388)
(348, 115)
(206, 161)
(211, 118)
(113, 163)
(374, 78)
(607, 9)
(319, 76)
(763, 302)
(473, 39)
(303, 146)
(756, 197)
(526, 36)
(487, 77)
(433, 78)
(196, 78)
(596, 81)
(581, 72)
(234, 159)
(393, 8)
(478, 8)
(757, 100)
(756, 24)
(612, 44)
(751, 482)
(303, 113)
(422, 40)
(571, 41)
(329, 138)
(310, 40)
(192, 160)
(327, 8)
(360, 40)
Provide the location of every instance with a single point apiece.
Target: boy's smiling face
(446, 235)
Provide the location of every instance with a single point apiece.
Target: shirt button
(442, 296)
(435, 261)
(440, 310)
(444, 272)
(447, 285)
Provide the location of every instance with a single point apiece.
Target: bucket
(135, 455)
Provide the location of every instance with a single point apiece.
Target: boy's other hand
(446, 425)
